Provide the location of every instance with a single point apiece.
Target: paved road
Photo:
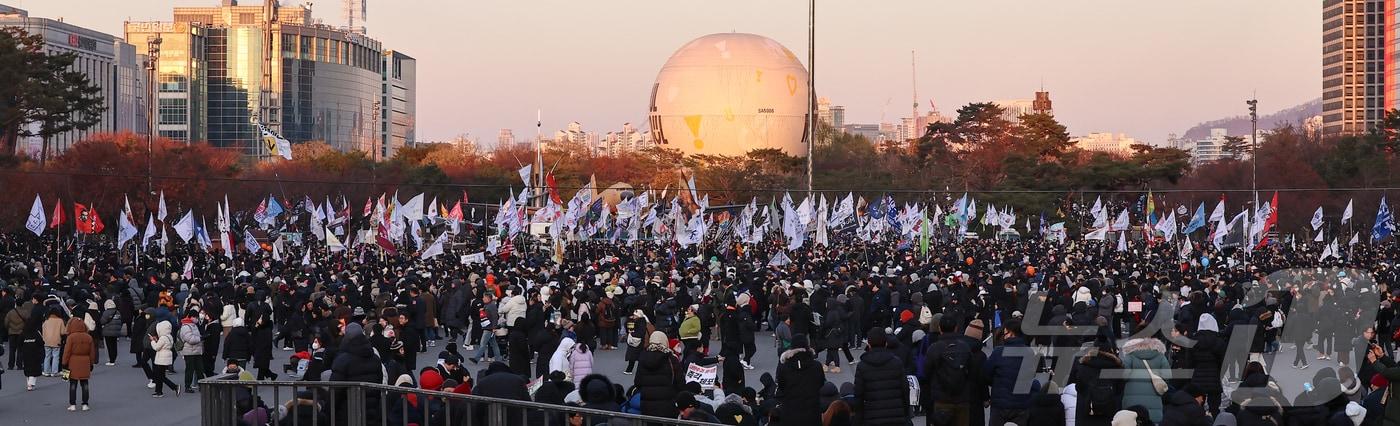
(119, 395)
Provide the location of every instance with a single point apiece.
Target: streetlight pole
(1254, 148)
(153, 56)
(811, 87)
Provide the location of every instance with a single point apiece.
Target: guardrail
(226, 402)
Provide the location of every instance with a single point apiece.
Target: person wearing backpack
(949, 368)
(191, 342)
(1099, 397)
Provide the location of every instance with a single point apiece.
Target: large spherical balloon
(729, 94)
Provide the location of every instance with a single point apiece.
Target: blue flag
(1198, 220)
(1385, 222)
(273, 207)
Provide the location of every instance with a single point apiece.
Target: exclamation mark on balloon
(693, 122)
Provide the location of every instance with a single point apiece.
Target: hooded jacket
(881, 389)
(164, 345)
(658, 379)
(78, 351)
(356, 361)
(1206, 355)
(1139, 354)
(800, 380)
(1183, 410)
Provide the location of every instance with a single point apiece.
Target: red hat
(1379, 381)
(430, 380)
(905, 316)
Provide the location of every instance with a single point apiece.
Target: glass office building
(326, 84)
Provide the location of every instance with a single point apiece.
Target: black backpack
(1103, 398)
(952, 371)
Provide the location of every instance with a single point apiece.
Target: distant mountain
(1240, 125)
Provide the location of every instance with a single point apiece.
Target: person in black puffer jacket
(1092, 385)
(882, 392)
(1183, 408)
(1205, 359)
(357, 362)
(498, 381)
(800, 380)
(238, 343)
(596, 392)
(1046, 407)
(658, 378)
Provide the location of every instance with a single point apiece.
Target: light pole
(811, 87)
(1254, 148)
(153, 56)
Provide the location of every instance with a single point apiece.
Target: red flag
(1273, 220)
(382, 237)
(87, 220)
(506, 249)
(57, 214)
(553, 189)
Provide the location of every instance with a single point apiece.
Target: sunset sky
(1142, 68)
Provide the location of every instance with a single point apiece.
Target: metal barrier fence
(227, 402)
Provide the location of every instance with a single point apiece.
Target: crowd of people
(1027, 332)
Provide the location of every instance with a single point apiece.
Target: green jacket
(690, 328)
(1387, 368)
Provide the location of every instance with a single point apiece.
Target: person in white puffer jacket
(163, 344)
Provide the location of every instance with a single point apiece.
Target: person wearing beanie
(110, 322)
(881, 390)
(1375, 407)
(1205, 360)
(689, 408)
(1124, 417)
(800, 379)
(658, 377)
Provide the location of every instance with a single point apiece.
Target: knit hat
(430, 379)
(905, 316)
(404, 379)
(974, 329)
(1379, 381)
(1355, 412)
(657, 340)
(1125, 418)
(685, 400)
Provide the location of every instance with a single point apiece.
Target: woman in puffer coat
(111, 323)
(163, 345)
(581, 363)
(79, 354)
(1138, 356)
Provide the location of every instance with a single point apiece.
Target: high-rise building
(322, 83)
(1041, 104)
(1358, 76)
(398, 123)
(182, 77)
(573, 133)
(505, 138)
(838, 116)
(629, 139)
(110, 63)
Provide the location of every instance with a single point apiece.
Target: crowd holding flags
(424, 224)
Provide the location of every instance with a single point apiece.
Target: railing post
(355, 406)
(496, 414)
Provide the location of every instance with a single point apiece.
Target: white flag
(1317, 219)
(1355, 238)
(189, 268)
(1121, 224)
(1326, 253)
(1168, 226)
(413, 209)
(160, 209)
(1122, 242)
(1218, 215)
(525, 174)
(1346, 214)
(436, 248)
(125, 231)
(150, 230)
(334, 243)
(277, 249)
(36, 221)
(185, 227)
(1317, 238)
(306, 257)
(250, 242)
